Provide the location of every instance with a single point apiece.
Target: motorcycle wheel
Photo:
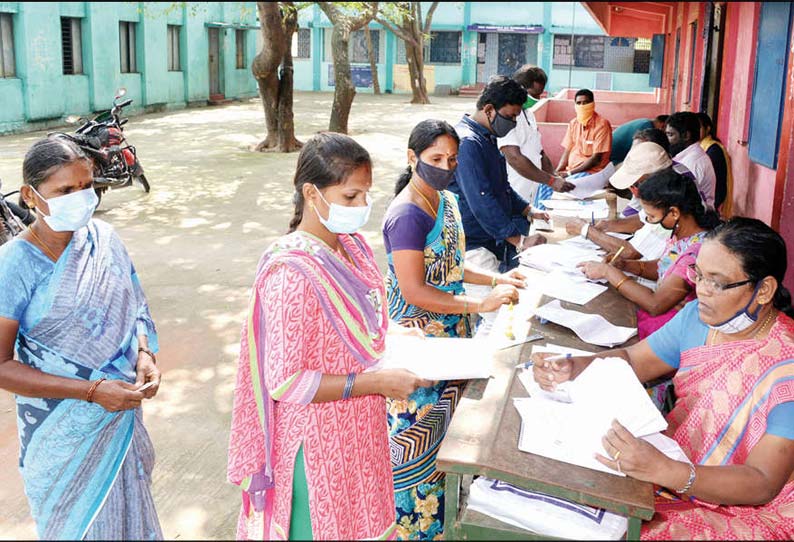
(144, 183)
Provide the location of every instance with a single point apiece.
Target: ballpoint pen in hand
(527, 364)
(592, 218)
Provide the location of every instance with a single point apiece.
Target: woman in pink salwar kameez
(732, 353)
(309, 443)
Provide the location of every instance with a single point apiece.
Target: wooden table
(482, 439)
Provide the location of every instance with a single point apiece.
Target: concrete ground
(195, 240)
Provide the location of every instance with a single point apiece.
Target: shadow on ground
(195, 240)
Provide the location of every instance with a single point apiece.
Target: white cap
(643, 158)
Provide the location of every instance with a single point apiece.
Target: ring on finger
(617, 456)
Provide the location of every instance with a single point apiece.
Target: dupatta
(352, 300)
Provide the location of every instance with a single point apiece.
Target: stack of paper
(549, 256)
(584, 209)
(571, 432)
(571, 287)
(589, 185)
(437, 358)
(591, 328)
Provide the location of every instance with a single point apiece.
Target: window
(769, 86)
(302, 43)
(357, 50)
(7, 65)
(71, 42)
(445, 47)
(173, 48)
(239, 40)
(612, 54)
(127, 47)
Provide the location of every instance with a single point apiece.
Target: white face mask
(642, 216)
(70, 212)
(344, 219)
(741, 320)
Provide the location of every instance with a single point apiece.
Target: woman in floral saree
(732, 352)
(72, 307)
(425, 248)
(309, 445)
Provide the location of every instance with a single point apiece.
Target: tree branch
(397, 31)
(429, 18)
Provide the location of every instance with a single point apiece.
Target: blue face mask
(70, 212)
(344, 219)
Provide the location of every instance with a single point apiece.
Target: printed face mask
(70, 212)
(344, 219)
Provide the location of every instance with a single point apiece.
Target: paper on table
(572, 432)
(591, 328)
(584, 209)
(515, 319)
(525, 376)
(543, 225)
(437, 358)
(587, 186)
(567, 287)
(549, 256)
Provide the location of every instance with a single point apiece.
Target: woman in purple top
(425, 246)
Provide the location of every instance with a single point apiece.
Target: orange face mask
(584, 112)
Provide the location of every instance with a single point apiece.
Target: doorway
(710, 97)
(214, 36)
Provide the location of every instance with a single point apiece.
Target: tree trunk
(373, 62)
(287, 142)
(416, 72)
(344, 91)
(275, 90)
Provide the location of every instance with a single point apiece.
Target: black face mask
(436, 177)
(501, 126)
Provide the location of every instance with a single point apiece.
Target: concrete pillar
(468, 49)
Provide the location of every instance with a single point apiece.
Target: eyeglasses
(694, 274)
(667, 212)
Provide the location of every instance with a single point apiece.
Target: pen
(528, 364)
(592, 218)
(617, 254)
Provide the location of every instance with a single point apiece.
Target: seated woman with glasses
(671, 200)
(732, 353)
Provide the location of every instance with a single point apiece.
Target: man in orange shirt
(588, 141)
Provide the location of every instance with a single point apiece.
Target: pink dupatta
(346, 298)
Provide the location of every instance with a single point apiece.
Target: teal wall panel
(41, 93)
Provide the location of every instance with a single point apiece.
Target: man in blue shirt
(494, 216)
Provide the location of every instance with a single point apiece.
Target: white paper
(437, 358)
(543, 225)
(549, 256)
(591, 328)
(562, 392)
(568, 287)
(575, 205)
(587, 186)
(516, 320)
(571, 432)
(544, 514)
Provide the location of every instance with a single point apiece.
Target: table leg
(451, 504)
(633, 531)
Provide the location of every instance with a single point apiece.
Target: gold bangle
(619, 284)
(90, 395)
(493, 281)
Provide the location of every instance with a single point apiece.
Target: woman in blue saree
(73, 309)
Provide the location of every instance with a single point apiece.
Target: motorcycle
(13, 218)
(116, 163)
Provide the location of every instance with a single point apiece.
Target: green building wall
(40, 95)
(555, 17)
